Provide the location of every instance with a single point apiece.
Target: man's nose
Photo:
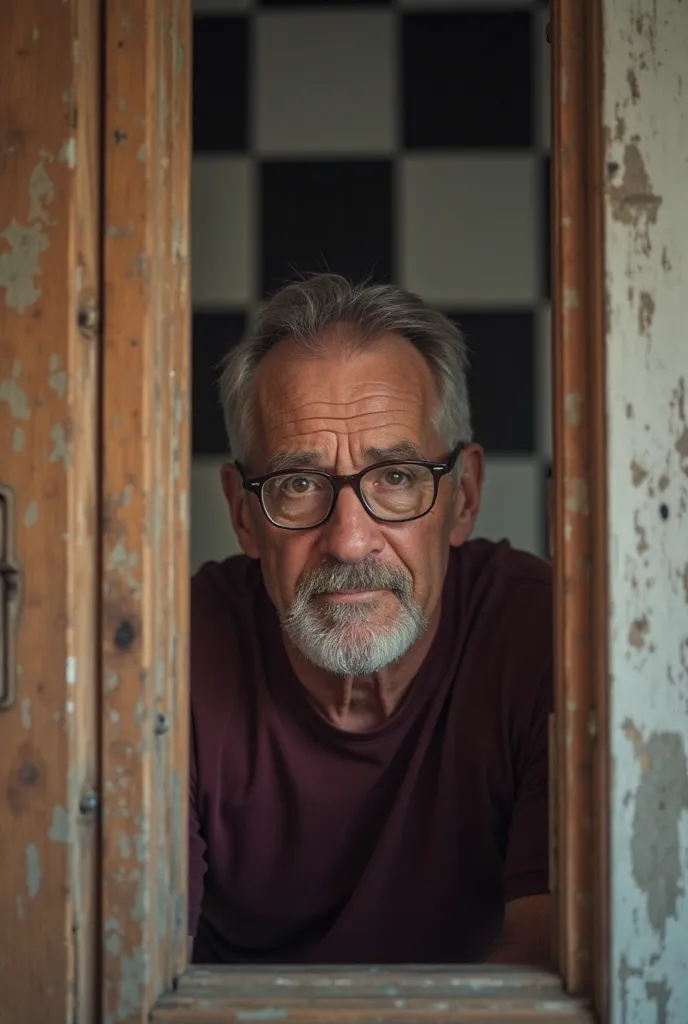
(350, 534)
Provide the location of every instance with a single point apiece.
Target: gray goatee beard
(343, 638)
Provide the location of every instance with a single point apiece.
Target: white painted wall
(646, 120)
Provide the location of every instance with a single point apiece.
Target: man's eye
(297, 485)
(395, 478)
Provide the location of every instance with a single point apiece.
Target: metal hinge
(9, 601)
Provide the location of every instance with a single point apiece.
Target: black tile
(220, 84)
(325, 3)
(546, 208)
(501, 378)
(547, 509)
(326, 215)
(467, 79)
(214, 334)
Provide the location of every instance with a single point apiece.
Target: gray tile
(469, 229)
(325, 82)
(223, 231)
(211, 535)
(511, 505)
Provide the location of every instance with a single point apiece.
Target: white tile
(471, 5)
(212, 536)
(222, 231)
(325, 82)
(512, 503)
(220, 6)
(543, 83)
(543, 381)
(469, 228)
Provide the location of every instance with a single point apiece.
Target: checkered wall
(405, 140)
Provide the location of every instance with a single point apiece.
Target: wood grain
(579, 483)
(145, 478)
(406, 993)
(49, 377)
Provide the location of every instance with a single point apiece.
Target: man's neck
(362, 703)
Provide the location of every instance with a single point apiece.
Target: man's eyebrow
(286, 461)
(401, 451)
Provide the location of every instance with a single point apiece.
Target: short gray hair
(304, 310)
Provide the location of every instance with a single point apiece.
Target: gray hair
(304, 310)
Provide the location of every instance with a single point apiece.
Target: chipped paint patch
(25, 713)
(18, 439)
(70, 670)
(59, 827)
(573, 404)
(135, 973)
(34, 873)
(126, 232)
(20, 907)
(57, 379)
(11, 391)
(267, 1013)
(31, 514)
(660, 800)
(60, 452)
(67, 154)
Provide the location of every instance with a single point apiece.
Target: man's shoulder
(506, 595)
(221, 587)
(496, 564)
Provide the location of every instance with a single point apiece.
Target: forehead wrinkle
(365, 422)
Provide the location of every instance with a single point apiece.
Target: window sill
(369, 994)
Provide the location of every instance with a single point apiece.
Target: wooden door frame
(140, 310)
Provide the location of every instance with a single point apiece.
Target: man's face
(353, 594)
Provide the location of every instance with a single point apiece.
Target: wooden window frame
(123, 508)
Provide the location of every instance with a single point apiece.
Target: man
(370, 689)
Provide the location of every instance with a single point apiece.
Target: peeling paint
(67, 154)
(135, 974)
(57, 380)
(126, 232)
(60, 452)
(571, 299)
(34, 873)
(18, 439)
(25, 713)
(21, 265)
(577, 496)
(13, 394)
(20, 907)
(646, 312)
(633, 201)
(660, 800)
(59, 828)
(638, 632)
(70, 670)
(31, 514)
(573, 404)
(638, 473)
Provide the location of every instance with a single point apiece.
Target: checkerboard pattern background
(405, 140)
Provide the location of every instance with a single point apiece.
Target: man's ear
(238, 501)
(468, 492)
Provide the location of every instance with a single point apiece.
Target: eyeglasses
(391, 492)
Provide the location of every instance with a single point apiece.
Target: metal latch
(9, 601)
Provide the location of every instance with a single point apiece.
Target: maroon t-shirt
(312, 844)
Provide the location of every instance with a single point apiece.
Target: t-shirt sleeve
(197, 848)
(526, 870)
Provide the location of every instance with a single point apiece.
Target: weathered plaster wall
(646, 126)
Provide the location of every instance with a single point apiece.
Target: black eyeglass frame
(255, 485)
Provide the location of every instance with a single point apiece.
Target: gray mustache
(359, 576)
